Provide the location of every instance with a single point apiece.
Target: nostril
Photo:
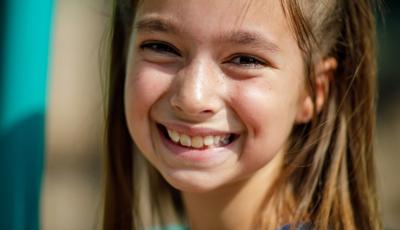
(207, 111)
(191, 105)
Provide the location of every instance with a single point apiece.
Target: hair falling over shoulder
(328, 177)
(330, 162)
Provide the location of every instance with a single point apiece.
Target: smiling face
(213, 88)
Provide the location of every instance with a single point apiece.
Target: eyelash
(168, 49)
(249, 61)
(160, 47)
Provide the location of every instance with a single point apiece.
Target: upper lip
(195, 131)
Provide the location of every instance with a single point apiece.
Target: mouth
(198, 142)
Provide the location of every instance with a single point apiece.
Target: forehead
(213, 7)
(210, 17)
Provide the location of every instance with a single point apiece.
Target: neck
(234, 206)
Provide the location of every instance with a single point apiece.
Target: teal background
(25, 35)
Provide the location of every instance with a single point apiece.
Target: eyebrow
(250, 38)
(236, 37)
(156, 25)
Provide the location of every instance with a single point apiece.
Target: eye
(160, 47)
(247, 61)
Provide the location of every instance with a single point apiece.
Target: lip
(200, 157)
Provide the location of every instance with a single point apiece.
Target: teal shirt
(171, 227)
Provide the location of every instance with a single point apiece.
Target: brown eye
(247, 61)
(160, 47)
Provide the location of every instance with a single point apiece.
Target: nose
(197, 92)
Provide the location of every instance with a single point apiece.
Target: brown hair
(328, 176)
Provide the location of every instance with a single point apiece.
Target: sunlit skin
(216, 67)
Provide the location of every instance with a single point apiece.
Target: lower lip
(210, 155)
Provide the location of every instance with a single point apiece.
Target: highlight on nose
(197, 89)
(195, 95)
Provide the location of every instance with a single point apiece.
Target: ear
(324, 72)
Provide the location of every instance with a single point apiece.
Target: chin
(193, 182)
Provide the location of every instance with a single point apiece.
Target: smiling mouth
(199, 141)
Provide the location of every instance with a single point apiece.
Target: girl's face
(213, 88)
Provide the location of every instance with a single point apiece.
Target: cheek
(268, 112)
(143, 88)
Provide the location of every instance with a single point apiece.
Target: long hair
(328, 176)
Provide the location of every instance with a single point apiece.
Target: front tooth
(208, 140)
(197, 142)
(174, 136)
(185, 140)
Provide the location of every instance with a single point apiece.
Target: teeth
(185, 140)
(198, 141)
(225, 140)
(216, 139)
(208, 140)
(174, 136)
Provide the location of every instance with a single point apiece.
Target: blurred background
(71, 194)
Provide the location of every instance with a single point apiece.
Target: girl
(246, 114)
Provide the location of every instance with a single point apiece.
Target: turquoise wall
(24, 41)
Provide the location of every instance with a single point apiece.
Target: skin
(231, 67)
